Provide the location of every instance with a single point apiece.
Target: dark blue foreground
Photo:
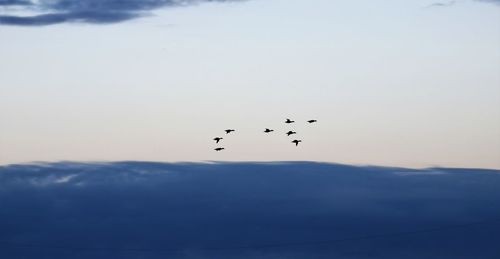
(247, 210)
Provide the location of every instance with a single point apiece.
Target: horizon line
(228, 162)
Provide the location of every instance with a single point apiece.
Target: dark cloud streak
(89, 11)
(86, 17)
(14, 2)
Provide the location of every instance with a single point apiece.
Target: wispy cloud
(490, 1)
(47, 12)
(442, 4)
(453, 2)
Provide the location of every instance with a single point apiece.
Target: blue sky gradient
(394, 83)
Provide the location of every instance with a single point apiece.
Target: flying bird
(312, 121)
(291, 133)
(217, 139)
(229, 131)
(219, 149)
(268, 130)
(289, 121)
(296, 141)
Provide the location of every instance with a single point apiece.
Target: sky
(403, 83)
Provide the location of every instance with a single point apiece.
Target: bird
(289, 121)
(217, 139)
(229, 131)
(296, 141)
(312, 121)
(268, 130)
(291, 133)
(219, 149)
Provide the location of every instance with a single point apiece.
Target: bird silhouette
(312, 121)
(268, 130)
(229, 131)
(219, 149)
(217, 139)
(291, 133)
(289, 121)
(296, 141)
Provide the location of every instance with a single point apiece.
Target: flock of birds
(267, 131)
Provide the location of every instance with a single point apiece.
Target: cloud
(490, 1)
(453, 2)
(419, 172)
(48, 12)
(442, 4)
(246, 210)
(14, 2)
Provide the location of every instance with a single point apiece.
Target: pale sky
(397, 83)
